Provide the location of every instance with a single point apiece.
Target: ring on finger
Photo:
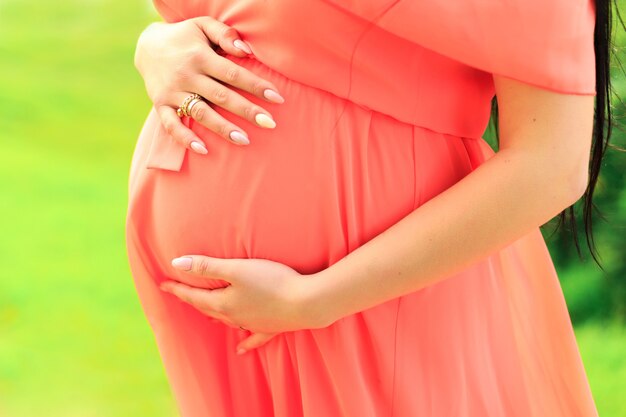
(192, 103)
(184, 109)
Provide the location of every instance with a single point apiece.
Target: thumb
(223, 35)
(227, 269)
(254, 341)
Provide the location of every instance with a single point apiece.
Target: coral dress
(386, 105)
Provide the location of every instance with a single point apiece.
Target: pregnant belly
(329, 177)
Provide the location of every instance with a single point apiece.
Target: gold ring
(183, 109)
(192, 103)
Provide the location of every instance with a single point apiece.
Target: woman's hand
(264, 296)
(178, 59)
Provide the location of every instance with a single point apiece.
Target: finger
(223, 69)
(222, 319)
(200, 298)
(202, 113)
(254, 341)
(221, 95)
(228, 269)
(223, 35)
(218, 318)
(174, 126)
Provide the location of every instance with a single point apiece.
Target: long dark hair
(603, 123)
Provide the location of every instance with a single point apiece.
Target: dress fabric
(386, 105)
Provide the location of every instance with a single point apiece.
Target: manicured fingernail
(239, 138)
(273, 96)
(241, 351)
(183, 263)
(198, 147)
(239, 44)
(265, 121)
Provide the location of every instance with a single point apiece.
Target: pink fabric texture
(386, 105)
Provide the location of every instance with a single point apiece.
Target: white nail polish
(264, 120)
(238, 137)
(198, 147)
(239, 44)
(273, 96)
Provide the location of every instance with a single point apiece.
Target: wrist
(315, 306)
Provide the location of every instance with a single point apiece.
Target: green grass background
(73, 339)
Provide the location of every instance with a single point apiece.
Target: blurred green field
(73, 339)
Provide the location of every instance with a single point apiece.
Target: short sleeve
(546, 43)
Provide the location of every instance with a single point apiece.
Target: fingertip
(238, 137)
(199, 147)
(273, 96)
(182, 263)
(242, 46)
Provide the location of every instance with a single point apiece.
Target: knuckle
(161, 98)
(232, 74)
(253, 111)
(224, 129)
(180, 75)
(187, 139)
(187, 24)
(196, 56)
(203, 266)
(249, 112)
(198, 112)
(228, 31)
(220, 95)
(194, 51)
(169, 127)
(258, 87)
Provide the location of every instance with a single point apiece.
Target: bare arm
(540, 169)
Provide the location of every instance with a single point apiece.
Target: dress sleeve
(546, 43)
(166, 11)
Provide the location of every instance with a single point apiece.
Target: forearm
(497, 203)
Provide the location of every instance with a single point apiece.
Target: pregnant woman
(356, 236)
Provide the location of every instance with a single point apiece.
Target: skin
(540, 169)
(178, 59)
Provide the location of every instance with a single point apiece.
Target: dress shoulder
(546, 43)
